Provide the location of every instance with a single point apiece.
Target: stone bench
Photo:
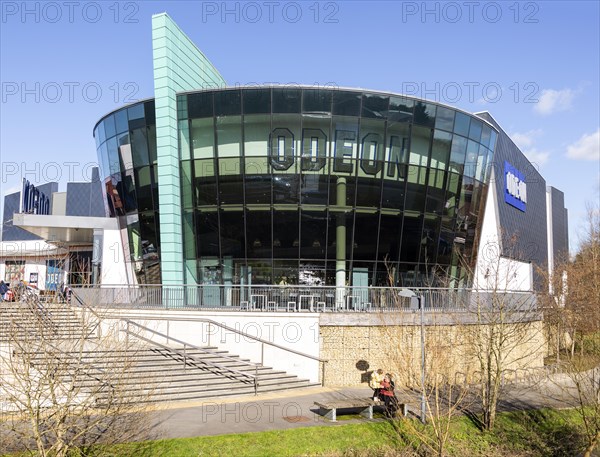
(329, 408)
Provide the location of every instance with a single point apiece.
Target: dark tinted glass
(150, 112)
(375, 106)
(121, 121)
(346, 103)
(232, 234)
(316, 100)
(207, 233)
(200, 105)
(401, 109)
(228, 102)
(286, 100)
(425, 114)
(109, 127)
(136, 116)
(475, 130)
(257, 101)
(461, 124)
(444, 119)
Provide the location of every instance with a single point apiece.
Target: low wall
(357, 345)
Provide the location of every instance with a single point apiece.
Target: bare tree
(444, 393)
(503, 328)
(64, 392)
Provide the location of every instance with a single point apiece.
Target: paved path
(295, 408)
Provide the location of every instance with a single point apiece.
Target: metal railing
(185, 356)
(236, 331)
(299, 298)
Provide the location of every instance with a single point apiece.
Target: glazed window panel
(316, 101)
(285, 143)
(184, 140)
(313, 241)
(121, 121)
(346, 103)
(287, 100)
(475, 130)
(429, 240)
(228, 103)
(207, 233)
(229, 136)
(396, 150)
(129, 198)
(286, 235)
(259, 242)
(314, 189)
(109, 127)
(258, 189)
(419, 146)
(425, 114)
(444, 118)
(372, 148)
(368, 193)
(390, 229)
(393, 194)
(440, 149)
(345, 150)
(203, 138)
(125, 154)
(315, 148)
(375, 106)
(200, 105)
(152, 145)
(365, 236)
(186, 184)
(471, 159)
(231, 190)
(411, 232)
(114, 163)
(233, 234)
(257, 101)
(189, 235)
(401, 110)
(461, 124)
(205, 183)
(458, 154)
(139, 147)
(286, 189)
(415, 198)
(257, 129)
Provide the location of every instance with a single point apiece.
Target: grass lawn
(520, 434)
(527, 433)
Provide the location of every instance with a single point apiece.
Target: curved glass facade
(290, 185)
(126, 145)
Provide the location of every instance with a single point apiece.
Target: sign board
(515, 187)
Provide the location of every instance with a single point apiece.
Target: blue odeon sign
(33, 201)
(515, 188)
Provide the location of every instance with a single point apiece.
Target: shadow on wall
(363, 366)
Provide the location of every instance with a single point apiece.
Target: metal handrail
(254, 377)
(90, 309)
(239, 332)
(36, 307)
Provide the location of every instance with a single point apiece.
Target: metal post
(423, 416)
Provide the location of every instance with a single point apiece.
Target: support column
(340, 244)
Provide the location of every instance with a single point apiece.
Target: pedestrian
(375, 383)
(3, 290)
(388, 395)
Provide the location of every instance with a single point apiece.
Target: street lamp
(412, 294)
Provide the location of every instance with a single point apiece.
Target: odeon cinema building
(292, 185)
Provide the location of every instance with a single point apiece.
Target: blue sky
(534, 66)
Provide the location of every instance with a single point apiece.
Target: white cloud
(525, 139)
(586, 148)
(553, 101)
(537, 157)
